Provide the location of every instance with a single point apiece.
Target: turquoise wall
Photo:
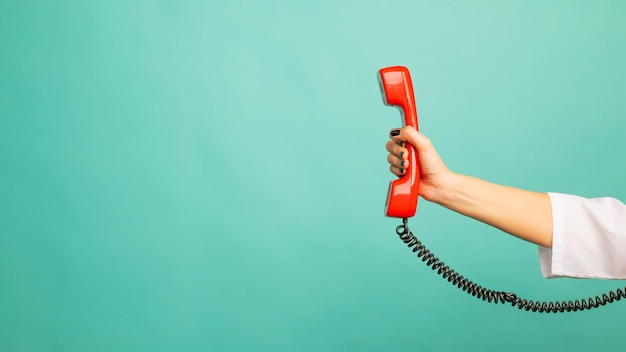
(211, 175)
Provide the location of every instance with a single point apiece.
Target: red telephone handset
(397, 90)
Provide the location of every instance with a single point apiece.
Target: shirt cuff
(588, 238)
(551, 260)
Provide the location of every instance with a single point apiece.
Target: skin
(521, 213)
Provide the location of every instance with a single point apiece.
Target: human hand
(434, 177)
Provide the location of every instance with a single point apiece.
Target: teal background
(204, 175)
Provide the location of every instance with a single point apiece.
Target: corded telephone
(396, 89)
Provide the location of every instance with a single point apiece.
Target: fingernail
(395, 132)
(402, 163)
(401, 154)
(401, 171)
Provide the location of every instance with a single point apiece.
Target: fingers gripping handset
(397, 90)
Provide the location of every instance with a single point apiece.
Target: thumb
(415, 138)
(429, 158)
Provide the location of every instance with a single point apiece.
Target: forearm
(524, 214)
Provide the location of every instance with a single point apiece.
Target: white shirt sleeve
(588, 238)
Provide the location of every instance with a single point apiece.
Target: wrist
(444, 188)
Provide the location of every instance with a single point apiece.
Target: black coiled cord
(500, 296)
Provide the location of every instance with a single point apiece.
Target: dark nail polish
(401, 154)
(402, 163)
(395, 132)
(401, 171)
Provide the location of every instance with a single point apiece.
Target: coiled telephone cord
(496, 297)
